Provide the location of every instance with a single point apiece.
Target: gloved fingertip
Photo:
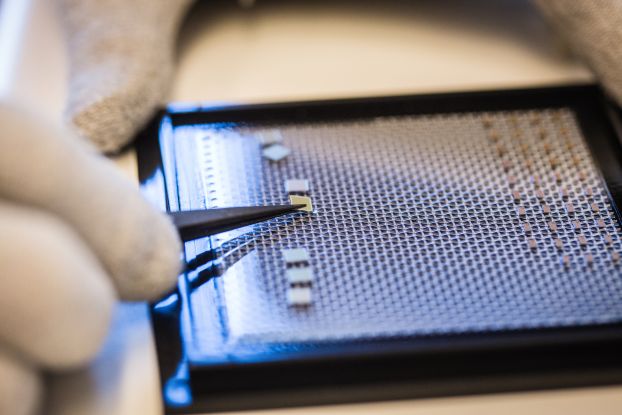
(21, 389)
(159, 263)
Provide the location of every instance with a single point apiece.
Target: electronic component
(302, 200)
(269, 137)
(588, 192)
(507, 165)
(295, 255)
(297, 185)
(589, 259)
(535, 179)
(276, 152)
(299, 296)
(300, 275)
(521, 211)
(608, 239)
(563, 193)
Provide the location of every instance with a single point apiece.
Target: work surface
(315, 50)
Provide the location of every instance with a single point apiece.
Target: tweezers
(193, 224)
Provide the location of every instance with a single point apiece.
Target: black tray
(347, 371)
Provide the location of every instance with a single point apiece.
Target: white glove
(593, 30)
(74, 236)
(121, 62)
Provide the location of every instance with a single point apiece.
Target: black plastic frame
(411, 367)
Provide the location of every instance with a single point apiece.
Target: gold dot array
(501, 151)
(543, 146)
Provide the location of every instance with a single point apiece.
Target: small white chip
(301, 200)
(269, 137)
(297, 185)
(276, 152)
(302, 275)
(299, 296)
(294, 255)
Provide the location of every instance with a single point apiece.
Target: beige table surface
(291, 50)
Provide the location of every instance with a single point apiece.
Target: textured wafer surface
(416, 227)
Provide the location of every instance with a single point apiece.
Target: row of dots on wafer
(501, 151)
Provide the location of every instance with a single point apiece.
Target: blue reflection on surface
(177, 390)
(167, 301)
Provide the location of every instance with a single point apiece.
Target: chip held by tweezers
(301, 200)
(276, 152)
(294, 255)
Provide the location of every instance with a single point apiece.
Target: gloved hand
(75, 235)
(593, 30)
(121, 55)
